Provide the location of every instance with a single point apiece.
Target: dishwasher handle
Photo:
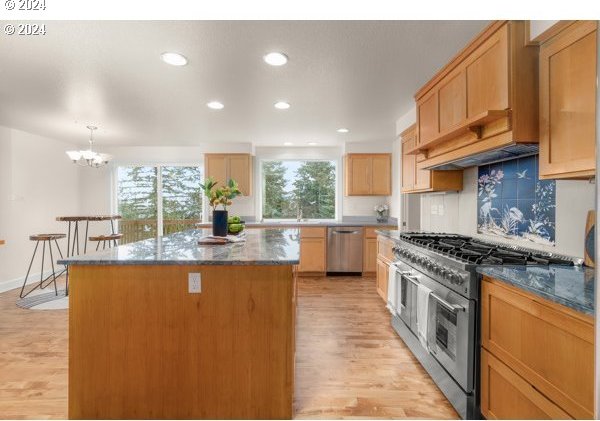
(345, 232)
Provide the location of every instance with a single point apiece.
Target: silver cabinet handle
(452, 307)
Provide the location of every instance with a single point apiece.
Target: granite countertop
(273, 246)
(571, 286)
(354, 222)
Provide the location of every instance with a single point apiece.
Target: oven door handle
(411, 279)
(452, 307)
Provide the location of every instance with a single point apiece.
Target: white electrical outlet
(194, 283)
(434, 209)
(441, 210)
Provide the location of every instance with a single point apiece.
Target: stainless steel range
(434, 301)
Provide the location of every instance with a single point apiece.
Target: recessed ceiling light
(287, 143)
(343, 130)
(282, 105)
(312, 143)
(275, 59)
(174, 59)
(215, 105)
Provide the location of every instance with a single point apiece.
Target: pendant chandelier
(89, 158)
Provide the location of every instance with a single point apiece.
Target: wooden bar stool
(111, 239)
(44, 238)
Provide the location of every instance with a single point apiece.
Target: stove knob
(455, 277)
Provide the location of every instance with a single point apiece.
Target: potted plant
(382, 212)
(222, 196)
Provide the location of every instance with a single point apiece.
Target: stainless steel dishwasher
(345, 249)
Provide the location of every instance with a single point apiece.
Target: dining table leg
(69, 241)
(85, 240)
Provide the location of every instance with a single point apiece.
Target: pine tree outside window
(294, 188)
(158, 199)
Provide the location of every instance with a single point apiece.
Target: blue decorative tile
(510, 169)
(513, 203)
(525, 189)
(509, 189)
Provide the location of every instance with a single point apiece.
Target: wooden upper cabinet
(428, 118)
(568, 103)
(453, 101)
(418, 180)
(223, 167)
(408, 163)
(485, 98)
(368, 174)
(487, 75)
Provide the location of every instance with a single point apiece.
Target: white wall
(38, 184)
(573, 200)
(537, 27)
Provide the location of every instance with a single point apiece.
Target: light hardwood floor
(349, 361)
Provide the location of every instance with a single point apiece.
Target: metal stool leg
(43, 258)
(98, 246)
(65, 270)
(28, 271)
(53, 270)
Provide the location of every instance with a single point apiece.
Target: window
(153, 199)
(298, 188)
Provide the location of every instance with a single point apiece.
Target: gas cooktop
(478, 252)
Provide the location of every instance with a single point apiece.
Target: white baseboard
(33, 278)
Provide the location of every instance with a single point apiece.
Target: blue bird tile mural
(513, 203)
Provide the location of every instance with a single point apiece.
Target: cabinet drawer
(506, 395)
(548, 345)
(384, 248)
(312, 232)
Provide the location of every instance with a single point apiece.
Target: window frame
(159, 196)
(261, 181)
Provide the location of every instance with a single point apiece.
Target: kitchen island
(143, 344)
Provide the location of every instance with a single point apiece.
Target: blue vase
(220, 222)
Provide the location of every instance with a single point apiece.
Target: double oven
(449, 351)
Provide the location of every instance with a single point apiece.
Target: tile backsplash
(514, 204)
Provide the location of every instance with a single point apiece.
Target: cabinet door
(487, 75)
(240, 170)
(408, 166)
(216, 167)
(381, 178)
(382, 278)
(428, 118)
(312, 255)
(453, 101)
(568, 103)
(358, 175)
(505, 395)
(422, 177)
(370, 255)
(550, 347)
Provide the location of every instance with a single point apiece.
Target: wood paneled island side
(142, 346)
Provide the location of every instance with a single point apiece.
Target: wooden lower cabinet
(383, 268)
(536, 342)
(370, 256)
(506, 395)
(313, 251)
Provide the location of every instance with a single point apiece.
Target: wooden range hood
(483, 105)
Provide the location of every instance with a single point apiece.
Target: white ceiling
(360, 75)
